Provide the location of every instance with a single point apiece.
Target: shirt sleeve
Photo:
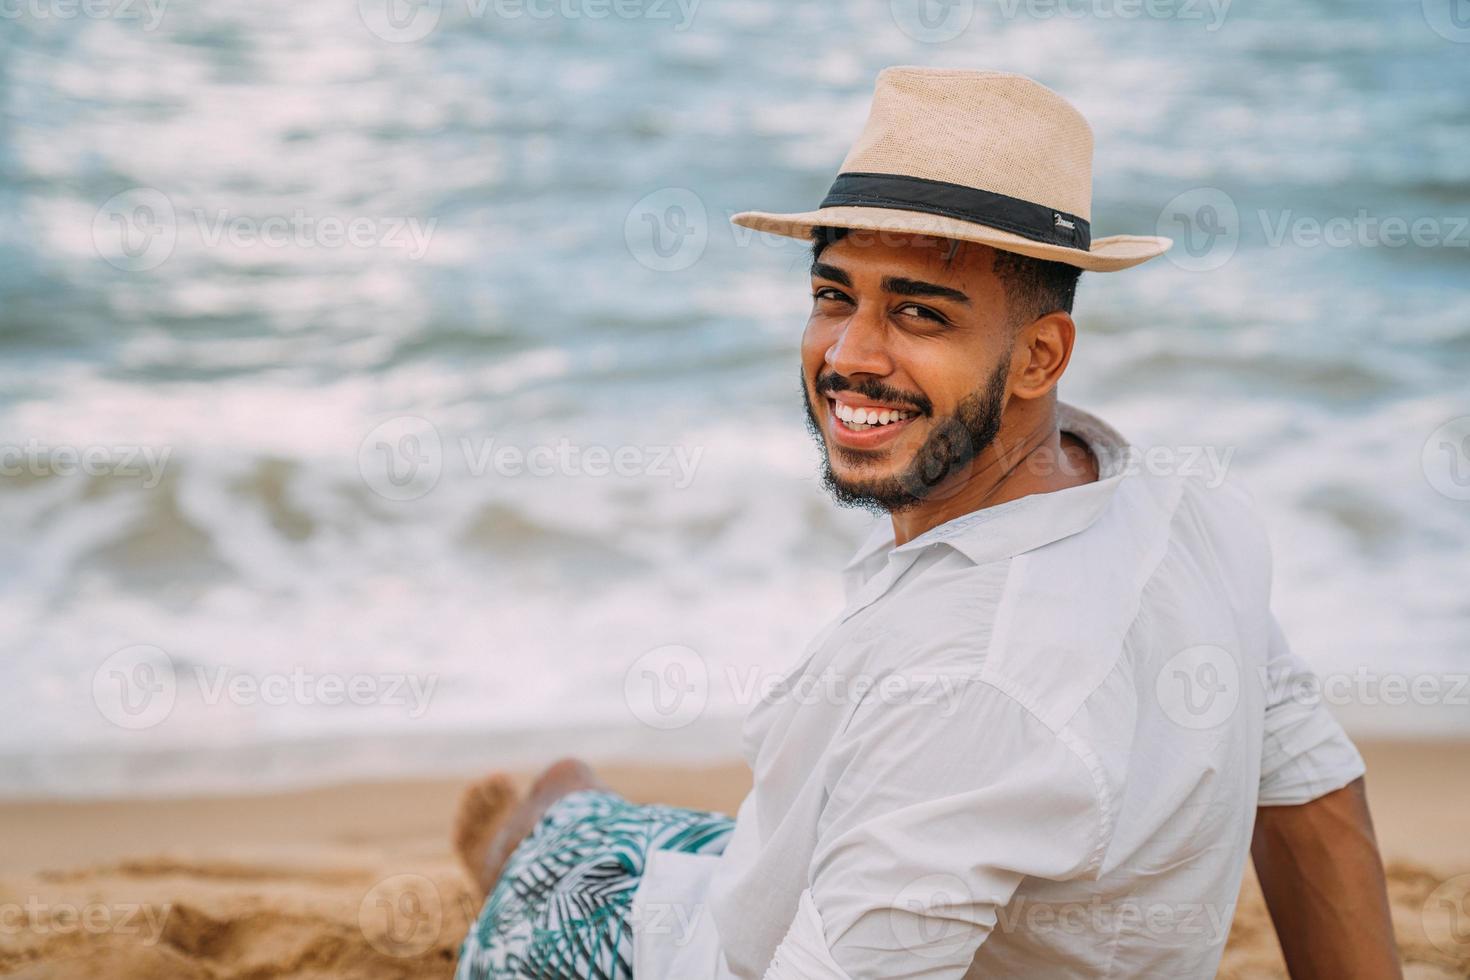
(1305, 753)
(936, 811)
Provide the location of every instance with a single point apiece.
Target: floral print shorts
(562, 906)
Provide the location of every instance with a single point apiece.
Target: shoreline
(306, 882)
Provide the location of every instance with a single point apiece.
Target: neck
(1029, 455)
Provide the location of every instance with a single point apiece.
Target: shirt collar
(1016, 526)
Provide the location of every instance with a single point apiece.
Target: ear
(1040, 355)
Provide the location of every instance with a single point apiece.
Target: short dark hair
(1034, 287)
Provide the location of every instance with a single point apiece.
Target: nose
(861, 346)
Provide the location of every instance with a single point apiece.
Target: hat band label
(899, 191)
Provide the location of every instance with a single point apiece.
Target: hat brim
(1106, 255)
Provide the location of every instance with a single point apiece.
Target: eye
(914, 309)
(828, 292)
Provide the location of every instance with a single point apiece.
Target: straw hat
(979, 156)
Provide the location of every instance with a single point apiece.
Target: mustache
(874, 389)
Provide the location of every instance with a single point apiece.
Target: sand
(358, 882)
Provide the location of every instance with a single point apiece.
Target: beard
(939, 465)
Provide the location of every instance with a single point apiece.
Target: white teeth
(866, 418)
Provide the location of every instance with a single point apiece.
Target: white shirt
(1032, 744)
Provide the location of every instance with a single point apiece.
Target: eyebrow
(894, 284)
(917, 287)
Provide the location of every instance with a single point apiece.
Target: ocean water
(383, 390)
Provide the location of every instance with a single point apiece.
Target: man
(1061, 693)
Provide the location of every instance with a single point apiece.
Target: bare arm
(1323, 880)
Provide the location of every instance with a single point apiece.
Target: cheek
(944, 380)
(815, 343)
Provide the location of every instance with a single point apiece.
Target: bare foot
(484, 808)
(493, 819)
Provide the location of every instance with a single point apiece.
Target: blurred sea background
(542, 259)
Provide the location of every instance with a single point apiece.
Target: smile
(858, 419)
(866, 426)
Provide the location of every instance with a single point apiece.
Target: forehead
(869, 255)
